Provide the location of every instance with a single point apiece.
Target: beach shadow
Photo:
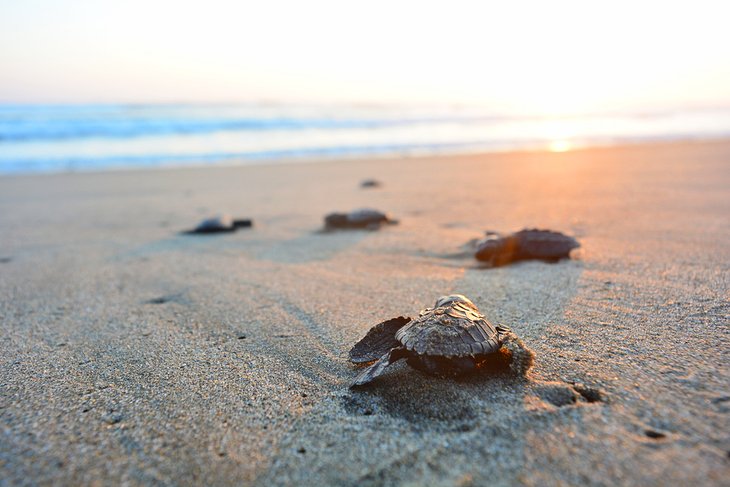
(192, 244)
(308, 247)
(411, 427)
(410, 395)
(315, 246)
(425, 401)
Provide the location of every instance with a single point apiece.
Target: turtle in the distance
(364, 218)
(545, 245)
(370, 183)
(220, 224)
(450, 339)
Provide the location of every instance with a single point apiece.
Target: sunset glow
(560, 146)
(523, 57)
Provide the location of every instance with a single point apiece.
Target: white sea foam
(39, 138)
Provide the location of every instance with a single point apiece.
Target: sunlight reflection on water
(77, 137)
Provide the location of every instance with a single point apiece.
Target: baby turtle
(526, 244)
(220, 224)
(364, 218)
(450, 339)
(370, 183)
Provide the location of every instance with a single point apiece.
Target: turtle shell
(525, 244)
(456, 329)
(453, 298)
(223, 223)
(544, 244)
(219, 224)
(362, 218)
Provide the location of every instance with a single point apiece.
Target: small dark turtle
(370, 183)
(523, 245)
(364, 218)
(220, 224)
(452, 338)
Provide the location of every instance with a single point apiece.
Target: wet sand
(130, 353)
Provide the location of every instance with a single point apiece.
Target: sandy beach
(133, 354)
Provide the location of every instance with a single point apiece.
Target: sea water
(55, 138)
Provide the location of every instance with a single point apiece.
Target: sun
(560, 146)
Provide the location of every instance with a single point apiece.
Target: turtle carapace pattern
(364, 218)
(220, 224)
(526, 244)
(450, 339)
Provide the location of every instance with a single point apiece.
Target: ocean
(60, 138)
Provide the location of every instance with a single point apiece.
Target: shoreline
(237, 161)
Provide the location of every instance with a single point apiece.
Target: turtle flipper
(378, 341)
(522, 358)
(378, 367)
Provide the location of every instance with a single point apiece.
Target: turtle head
(453, 298)
(491, 247)
(243, 223)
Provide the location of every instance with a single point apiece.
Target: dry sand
(132, 354)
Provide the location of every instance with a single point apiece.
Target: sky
(541, 57)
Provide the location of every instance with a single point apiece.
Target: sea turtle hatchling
(364, 218)
(220, 224)
(450, 339)
(370, 183)
(531, 243)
